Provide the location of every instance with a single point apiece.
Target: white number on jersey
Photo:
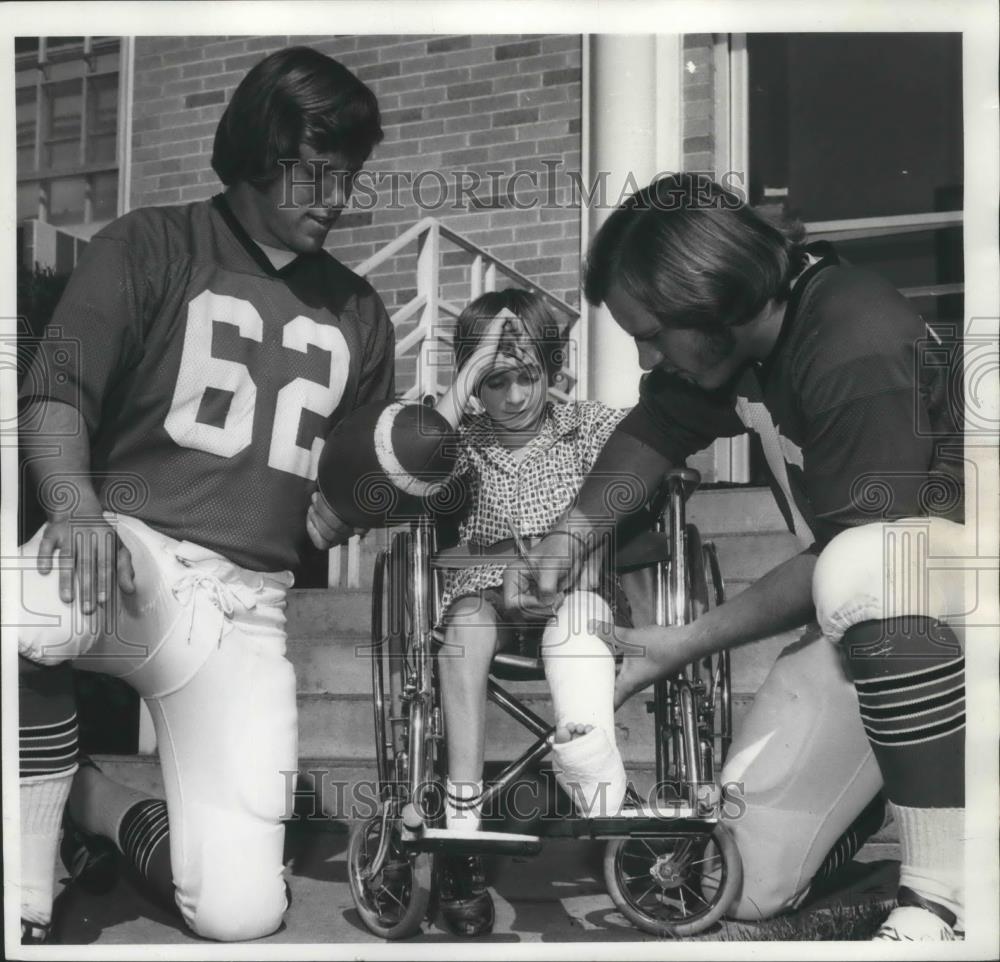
(304, 395)
(200, 371)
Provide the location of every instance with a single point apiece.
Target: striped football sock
(910, 680)
(144, 838)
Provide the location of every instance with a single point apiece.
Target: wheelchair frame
(391, 856)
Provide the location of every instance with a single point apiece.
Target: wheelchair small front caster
(674, 885)
(391, 888)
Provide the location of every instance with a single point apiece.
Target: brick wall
(485, 106)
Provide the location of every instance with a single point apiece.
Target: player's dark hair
(539, 324)
(694, 254)
(294, 96)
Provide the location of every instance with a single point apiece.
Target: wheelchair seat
(511, 666)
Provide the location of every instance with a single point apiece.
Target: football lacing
(223, 595)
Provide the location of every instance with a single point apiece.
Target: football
(385, 463)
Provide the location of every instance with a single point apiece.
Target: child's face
(514, 392)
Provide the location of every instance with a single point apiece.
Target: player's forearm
(63, 426)
(624, 477)
(779, 601)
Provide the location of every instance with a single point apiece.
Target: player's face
(513, 393)
(703, 360)
(299, 208)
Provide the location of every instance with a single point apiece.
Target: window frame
(40, 60)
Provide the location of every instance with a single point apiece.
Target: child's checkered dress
(533, 490)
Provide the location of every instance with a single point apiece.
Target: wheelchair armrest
(688, 477)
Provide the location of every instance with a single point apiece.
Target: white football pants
(203, 642)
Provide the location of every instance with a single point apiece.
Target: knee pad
(50, 631)
(848, 582)
(890, 570)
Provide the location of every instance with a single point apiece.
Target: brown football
(384, 462)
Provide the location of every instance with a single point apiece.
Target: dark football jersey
(208, 379)
(862, 420)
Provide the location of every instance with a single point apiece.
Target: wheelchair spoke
(702, 861)
(644, 894)
(399, 902)
(636, 855)
(701, 898)
(680, 895)
(685, 849)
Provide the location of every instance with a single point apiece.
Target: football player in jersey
(217, 342)
(743, 327)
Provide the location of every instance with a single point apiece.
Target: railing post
(491, 276)
(476, 277)
(334, 566)
(428, 261)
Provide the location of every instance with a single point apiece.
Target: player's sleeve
(864, 459)
(596, 423)
(95, 333)
(677, 418)
(865, 456)
(377, 380)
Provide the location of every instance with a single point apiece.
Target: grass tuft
(850, 923)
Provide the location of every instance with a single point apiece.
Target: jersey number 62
(200, 372)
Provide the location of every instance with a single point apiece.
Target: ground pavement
(558, 896)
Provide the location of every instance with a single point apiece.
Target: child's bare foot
(571, 730)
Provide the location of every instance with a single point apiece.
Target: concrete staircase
(328, 637)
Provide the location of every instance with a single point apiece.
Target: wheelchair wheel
(705, 591)
(673, 885)
(394, 900)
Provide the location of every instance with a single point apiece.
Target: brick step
(735, 511)
(339, 660)
(745, 557)
(333, 664)
(328, 612)
(342, 726)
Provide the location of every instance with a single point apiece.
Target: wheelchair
(670, 875)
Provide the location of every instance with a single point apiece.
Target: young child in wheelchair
(522, 460)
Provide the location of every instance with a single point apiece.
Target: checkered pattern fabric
(532, 487)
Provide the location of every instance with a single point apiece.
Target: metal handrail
(422, 226)
(427, 307)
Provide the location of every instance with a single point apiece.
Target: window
(67, 93)
(860, 136)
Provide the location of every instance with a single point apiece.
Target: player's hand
(558, 561)
(99, 560)
(521, 595)
(325, 527)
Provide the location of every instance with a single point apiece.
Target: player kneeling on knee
(193, 479)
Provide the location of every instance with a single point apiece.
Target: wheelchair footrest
(471, 842)
(662, 820)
